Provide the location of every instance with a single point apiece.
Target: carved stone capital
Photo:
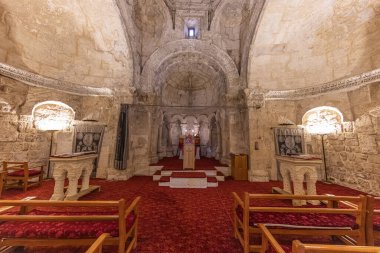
(255, 97)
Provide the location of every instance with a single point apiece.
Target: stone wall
(19, 139)
(352, 155)
(353, 159)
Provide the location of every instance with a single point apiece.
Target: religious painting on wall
(88, 138)
(289, 141)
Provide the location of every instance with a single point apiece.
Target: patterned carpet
(175, 220)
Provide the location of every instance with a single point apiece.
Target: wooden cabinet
(239, 166)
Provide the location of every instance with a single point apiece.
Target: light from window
(191, 32)
(323, 120)
(52, 115)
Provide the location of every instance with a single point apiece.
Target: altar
(73, 166)
(197, 147)
(295, 170)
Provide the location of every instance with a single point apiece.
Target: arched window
(52, 115)
(323, 120)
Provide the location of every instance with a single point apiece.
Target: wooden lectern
(189, 153)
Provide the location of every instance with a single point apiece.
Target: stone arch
(176, 118)
(52, 115)
(203, 118)
(323, 119)
(188, 46)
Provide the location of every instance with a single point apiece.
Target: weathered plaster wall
(304, 43)
(77, 41)
(261, 138)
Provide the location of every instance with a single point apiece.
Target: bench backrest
(298, 247)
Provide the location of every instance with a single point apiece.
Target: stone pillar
(59, 176)
(159, 144)
(257, 166)
(154, 137)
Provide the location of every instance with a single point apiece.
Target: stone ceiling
(306, 43)
(77, 41)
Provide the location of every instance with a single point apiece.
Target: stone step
(212, 182)
(210, 173)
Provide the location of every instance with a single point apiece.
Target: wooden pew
(352, 215)
(97, 246)
(372, 232)
(299, 247)
(73, 218)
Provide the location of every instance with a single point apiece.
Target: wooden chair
(19, 175)
(97, 246)
(372, 213)
(299, 247)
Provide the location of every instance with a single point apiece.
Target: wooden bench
(21, 175)
(97, 246)
(323, 220)
(298, 247)
(74, 223)
(372, 220)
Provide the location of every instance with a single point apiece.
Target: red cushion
(60, 229)
(211, 180)
(188, 175)
(20, 173)
(376, 222)
(323, 220)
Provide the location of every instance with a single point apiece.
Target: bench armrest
(237, 200)
(268, 237)
(97, 245)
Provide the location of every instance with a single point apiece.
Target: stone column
(86, 176)
(159, 145)
(73, 175)
(154, 137)
(59, 175)
(257, 168)
(285, 173)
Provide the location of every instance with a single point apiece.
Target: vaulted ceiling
(82, 42)
(296, 44)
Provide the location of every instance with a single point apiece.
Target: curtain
(121, 154)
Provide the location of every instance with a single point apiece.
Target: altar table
(73, 166)
(298, 169)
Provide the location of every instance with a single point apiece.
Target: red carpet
(176, 220)
(174, 163)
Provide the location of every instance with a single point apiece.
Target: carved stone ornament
(50, 83)
(341, 85)
(255, 97)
